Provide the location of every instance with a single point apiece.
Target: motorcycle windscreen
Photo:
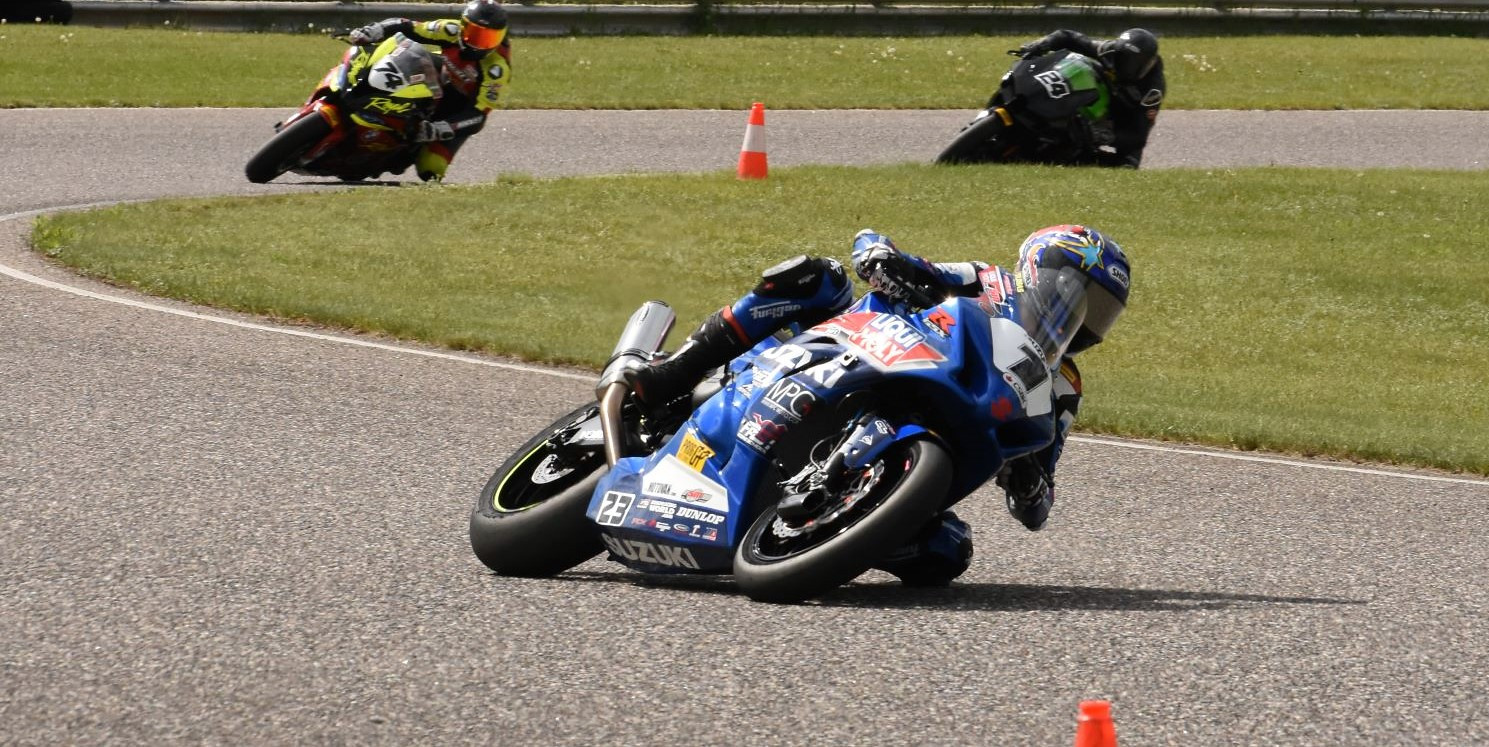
(1052, 310)
(408, 72)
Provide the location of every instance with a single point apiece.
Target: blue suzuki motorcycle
(795, 468)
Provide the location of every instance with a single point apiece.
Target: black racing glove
(897, 275)
(1032, 49)
(430, 131)
(363, 35)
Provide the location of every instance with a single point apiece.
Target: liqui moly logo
(884, 338)
(994, 290)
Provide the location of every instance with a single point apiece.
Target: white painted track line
(29, 278)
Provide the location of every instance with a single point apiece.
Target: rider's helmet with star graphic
(1072, 283)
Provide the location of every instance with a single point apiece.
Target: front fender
(329, 112)
(873, 437)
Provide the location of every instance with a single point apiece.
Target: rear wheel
(978, 142)
(887, 503)
(530, 519)
(283, 151)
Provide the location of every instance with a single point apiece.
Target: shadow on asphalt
(345, 183)
(870, 592)
(1026, 597)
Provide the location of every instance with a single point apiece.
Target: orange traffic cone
(1094, 727)
(752, 153)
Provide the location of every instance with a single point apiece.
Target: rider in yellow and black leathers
(477, 64)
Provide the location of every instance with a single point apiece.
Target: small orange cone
(752, 153)
(1094, 727)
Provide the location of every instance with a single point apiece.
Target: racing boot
(802, 290)
(713, 344)
(1031, 492)
(940, 552)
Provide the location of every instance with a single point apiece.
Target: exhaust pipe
(644, 335)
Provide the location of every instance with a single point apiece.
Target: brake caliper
(822, 491)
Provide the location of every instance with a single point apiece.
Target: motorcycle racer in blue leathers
(804, 291)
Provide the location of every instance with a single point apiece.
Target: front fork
(810, 493)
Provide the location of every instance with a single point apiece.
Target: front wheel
(978, 142)
(283, 151)
(530, 519)
(896, 496)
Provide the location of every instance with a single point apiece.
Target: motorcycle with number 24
(796, 466)
(1049, 109)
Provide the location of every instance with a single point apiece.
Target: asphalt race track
(212, 531)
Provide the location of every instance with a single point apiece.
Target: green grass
(180, 68)
(1313, 311)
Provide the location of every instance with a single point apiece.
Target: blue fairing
(978, 383)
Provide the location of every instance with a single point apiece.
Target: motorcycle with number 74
(355, 124)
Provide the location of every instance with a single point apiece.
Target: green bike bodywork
(1058, 86)
(1085, 77)
(1048, 109)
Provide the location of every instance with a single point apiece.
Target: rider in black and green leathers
(477, 65)
(1136, 71)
